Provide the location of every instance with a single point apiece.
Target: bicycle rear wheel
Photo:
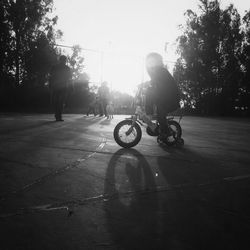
(175, 133)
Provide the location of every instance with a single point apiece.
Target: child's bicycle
(128, 133)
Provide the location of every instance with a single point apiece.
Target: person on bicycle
(163, 92)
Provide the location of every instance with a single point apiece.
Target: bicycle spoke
(127, 138)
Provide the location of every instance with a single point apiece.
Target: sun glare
(123, 32)
(122, 70)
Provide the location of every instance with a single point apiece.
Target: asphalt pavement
(68, 185)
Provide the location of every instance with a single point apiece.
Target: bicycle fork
(134, 119)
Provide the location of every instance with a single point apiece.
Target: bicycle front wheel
(127, 135)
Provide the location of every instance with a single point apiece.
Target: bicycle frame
(139, 115)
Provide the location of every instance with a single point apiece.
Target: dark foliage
(27, 53)
(213, 67)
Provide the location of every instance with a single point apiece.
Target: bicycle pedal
(162, 142)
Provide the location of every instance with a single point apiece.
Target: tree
(230, 73)
(76, 62)
(25, 24)
(4, 39)
(209, 67)
(79, 96)
(244, 95)
(27, 50)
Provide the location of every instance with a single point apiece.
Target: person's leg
(101, 108)
(56, 102)
(95, 110)
(61, 100)
(149, 101)
(105, 103)
(161, 117)
(53, 102)
(88, 111)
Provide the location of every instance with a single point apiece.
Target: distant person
(163, 92)
(93, 107)
(110, 110)
(59, 83)
(104, 95)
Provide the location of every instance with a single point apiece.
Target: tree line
(27, 52)
(213, 67)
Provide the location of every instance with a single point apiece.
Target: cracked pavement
(68, 185)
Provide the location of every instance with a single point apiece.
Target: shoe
(59, 120)
(164, 137)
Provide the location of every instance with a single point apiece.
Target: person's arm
(70, 81)
(51, 78)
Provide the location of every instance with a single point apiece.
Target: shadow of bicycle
(131, 204)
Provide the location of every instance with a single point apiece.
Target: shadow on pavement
(141, 216)
(106, 121)
(202, 210)
(131, 214)
(28, 127)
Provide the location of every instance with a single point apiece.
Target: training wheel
(180, 142)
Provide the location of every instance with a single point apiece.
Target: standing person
(110, 110)
(163, 92)
(92, 108)
(60, 77)
(103, 93)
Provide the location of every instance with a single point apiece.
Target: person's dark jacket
(166, 89)
(60, 77)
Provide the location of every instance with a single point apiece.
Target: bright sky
(125, 31)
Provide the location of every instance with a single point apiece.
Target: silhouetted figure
(103, 94)
(60, 77)
(163, 91)
(93, 107)
(110, 110)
